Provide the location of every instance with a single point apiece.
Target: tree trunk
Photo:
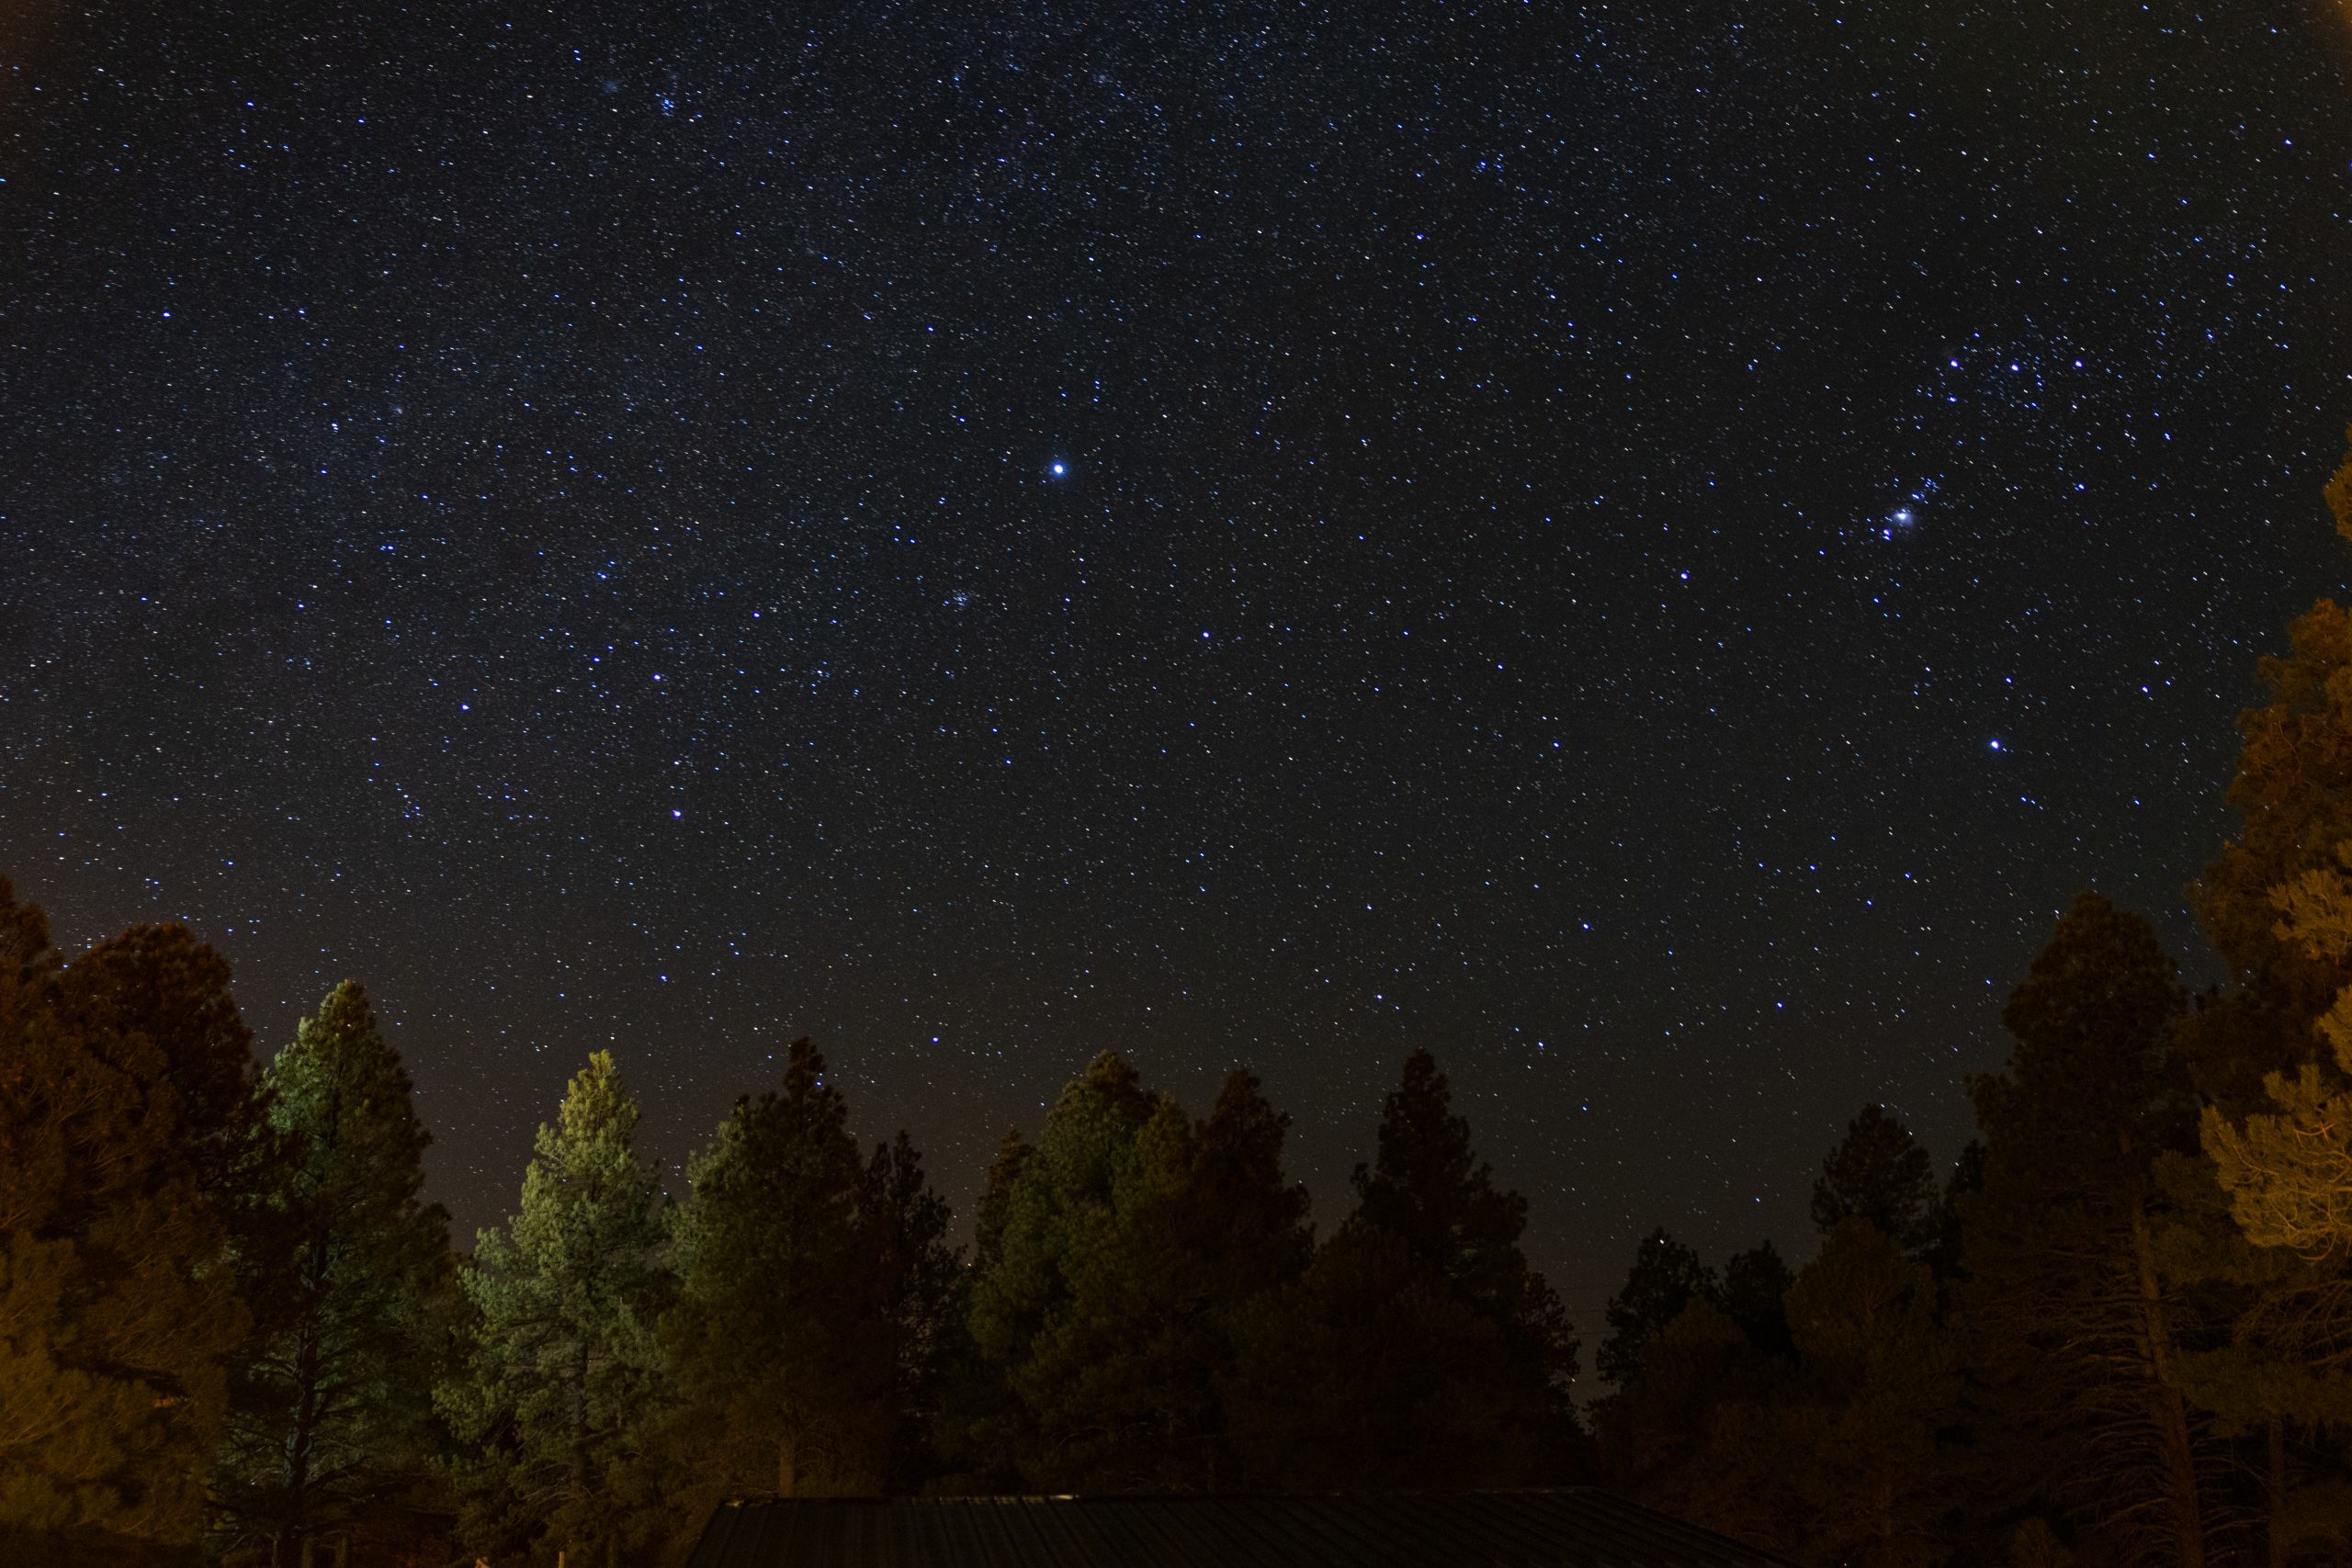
(2275, 1533)
(2170, 1416)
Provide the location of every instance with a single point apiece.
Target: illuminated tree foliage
(2288, 1174)
(2293, 793)
(333, 1400)
(560, 1379)
(124, 1097)
(2280, 1375)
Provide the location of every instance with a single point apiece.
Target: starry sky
(1647, 550)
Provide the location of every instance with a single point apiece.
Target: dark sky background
(1647, 550)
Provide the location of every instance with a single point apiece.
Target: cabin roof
(1582, 1527)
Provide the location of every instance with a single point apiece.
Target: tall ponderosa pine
(2286, 1174)
(1131, 1241)
(2257, 1055)
(812, 1290)
(1666, 1277)
(2075, 1331)
(1419, 1349)
(124, 1095)
(1879, 1173)
(332, 1401)
(560, 1379)
(1427, 1184)
(2289, 1173)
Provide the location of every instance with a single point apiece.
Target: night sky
(1646, 549)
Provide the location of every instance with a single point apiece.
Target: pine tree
(781, 1354)
(1372, 1374)
(2075, 1333)
(2293, 793)
(996, 1199)
(332, 1398)
(1058, 1200)
(559, 1381)
(1754, 1290)
(1942, 1253)
(1695, 1427)
(1666, 1277)
(1420, 1350)
(1427, 1185)
(123, 1087)
(1861, 1439)
(1878, 1172)
(2289, 1173)
(904, 1226)
(2286, 1176)
(1133, 1240)
(2256, 1053)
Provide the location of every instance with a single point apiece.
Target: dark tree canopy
(1755, 1285)
(1427, 1185)
(2075, 1331)
(1877, 1172)
(1666, 1277)
(333, 1405)
(1133, 1240)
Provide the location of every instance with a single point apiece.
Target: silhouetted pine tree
(1427, 1184)
(1131, 1239)
(1666, 1277)
(903, 1226)
(2072, 1330)
(1372, 1374)
(1861, 1434)
(1420, 1350)
(332, 1398)
(1879, 1173)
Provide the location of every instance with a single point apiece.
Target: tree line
(2119, 1334)
(230, 1325)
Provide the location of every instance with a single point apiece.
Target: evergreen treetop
(1879, 1172)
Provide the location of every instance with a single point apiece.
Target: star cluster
(1646, 551)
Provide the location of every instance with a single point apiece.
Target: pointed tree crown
(1877, 1172)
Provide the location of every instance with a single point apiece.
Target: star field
(1646, 551)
